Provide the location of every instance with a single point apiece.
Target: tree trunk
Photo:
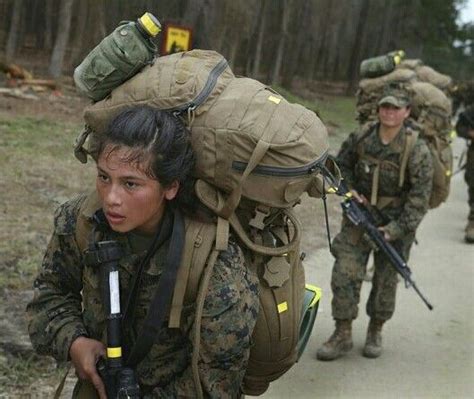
(14, 33)
(285, 18)
(48, 25)
(298, 41)
(355, 55)
(259, 44)
(78, 42)
(57, 58)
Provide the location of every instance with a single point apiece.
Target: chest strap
(384, 201)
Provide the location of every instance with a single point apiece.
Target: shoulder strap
(410, 139)
(199, 241)
(85, 225)
(196, 334)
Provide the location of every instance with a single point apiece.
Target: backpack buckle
(261, 213)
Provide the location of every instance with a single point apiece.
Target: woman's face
(391, 116)
(131, 200)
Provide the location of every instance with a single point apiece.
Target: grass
(38, 172)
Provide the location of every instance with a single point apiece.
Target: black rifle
(120, 381)
(361, 217)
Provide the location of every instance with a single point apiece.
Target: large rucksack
(430, 114)
(256, 155)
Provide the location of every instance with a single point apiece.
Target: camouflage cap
(397, 97)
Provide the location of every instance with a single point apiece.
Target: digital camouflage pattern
(230, 312)
(414, 194)
(464, 124)
(350, 247)
(352, 250)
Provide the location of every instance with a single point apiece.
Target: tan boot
(339, 343)
(373, 343)
(469, 237)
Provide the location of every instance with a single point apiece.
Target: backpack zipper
(282, 172)
(204, 93)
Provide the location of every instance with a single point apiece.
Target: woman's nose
(113, 196)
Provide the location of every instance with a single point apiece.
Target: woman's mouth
(114, 218)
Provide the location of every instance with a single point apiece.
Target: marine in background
(370, 161)
(465, 129)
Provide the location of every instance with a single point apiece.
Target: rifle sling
(161, 301)
(163, 233)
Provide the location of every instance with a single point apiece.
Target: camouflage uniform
(350, 248)
(466, 122)
(67, 304)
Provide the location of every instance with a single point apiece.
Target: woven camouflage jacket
(412, 198)
(67, 303)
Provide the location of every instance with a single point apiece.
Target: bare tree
(356, 49)
(14, 33)
(57, 58)
(78, 42)
(259, 45)
(283, 35)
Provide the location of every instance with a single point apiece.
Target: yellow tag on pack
(282, 307)
(274, 99)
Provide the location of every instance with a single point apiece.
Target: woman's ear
(172, 190)
(407, 112)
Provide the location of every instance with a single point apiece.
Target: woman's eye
(130, 184)
(102, 177)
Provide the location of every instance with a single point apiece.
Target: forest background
(276, 41)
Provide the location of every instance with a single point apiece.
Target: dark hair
(160, 141)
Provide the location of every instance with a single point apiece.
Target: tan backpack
(427, 74)
(256, 155)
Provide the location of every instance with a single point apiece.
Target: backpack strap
(196, 335)
(85, 224)
(262, 124)
(200, 238)
(410, 140)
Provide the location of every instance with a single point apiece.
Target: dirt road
(426, 354)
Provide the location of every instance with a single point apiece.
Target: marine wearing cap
(397, 97)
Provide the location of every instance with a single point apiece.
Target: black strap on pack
(159, 306)
(164, 232)
(326, 216)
